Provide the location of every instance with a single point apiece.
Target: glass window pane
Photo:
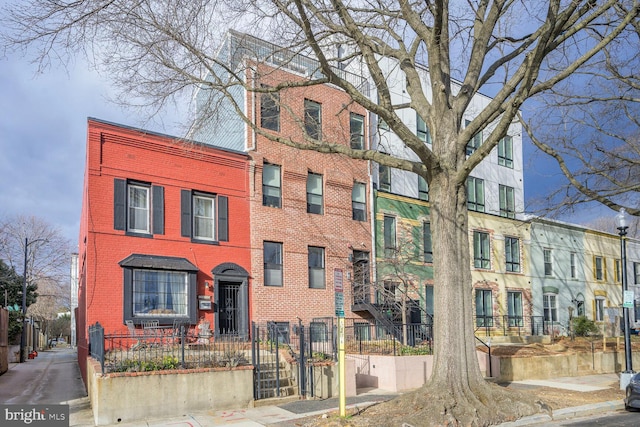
(357, 131)
(314, 183)
(159, 293)
(358, 193)
(271, 175)
(138, 218)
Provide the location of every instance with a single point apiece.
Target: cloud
(43, 137)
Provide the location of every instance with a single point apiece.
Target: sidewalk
(289, 414)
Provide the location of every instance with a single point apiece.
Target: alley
(52, 377)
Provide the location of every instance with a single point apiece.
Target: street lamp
(24, 297)
(622, 231)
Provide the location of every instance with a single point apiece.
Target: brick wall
(334, 230)
(118, 152)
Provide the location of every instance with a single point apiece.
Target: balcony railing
(506, 325)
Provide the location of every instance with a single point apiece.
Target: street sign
(628, 299)
(339, 300)
(338, 287)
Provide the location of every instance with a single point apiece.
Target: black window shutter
(119, 204)
(223, 219)
(157, 199)
(185, 213)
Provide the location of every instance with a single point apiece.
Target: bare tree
(514, 50)
(48, 256)
(594, 135)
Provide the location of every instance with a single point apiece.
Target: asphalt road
(610, 419)
(52, 377)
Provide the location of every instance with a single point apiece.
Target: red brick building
(164, 233)
(310, 211)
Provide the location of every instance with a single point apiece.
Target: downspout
(252, 138)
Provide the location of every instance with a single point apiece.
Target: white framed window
(316, 267)
(138, 208)
(573, 266)
(550, 307)
(636, 273)
(616, 271)
(204, 216)
(204, 219)
(138, 219)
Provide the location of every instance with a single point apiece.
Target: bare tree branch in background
(155, 51)
(48, 260)
(594, 134)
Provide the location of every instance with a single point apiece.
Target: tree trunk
(455, 364)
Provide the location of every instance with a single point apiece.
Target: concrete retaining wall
(393, 373)
(127, 397)
(325, 380)
(562, 365)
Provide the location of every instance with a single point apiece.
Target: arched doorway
(231, 299)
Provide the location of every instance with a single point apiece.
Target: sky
(43, 129)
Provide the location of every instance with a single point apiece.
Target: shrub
(583, 327)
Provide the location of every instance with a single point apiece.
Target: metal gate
(283, 356)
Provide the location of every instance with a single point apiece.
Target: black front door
(228, 306)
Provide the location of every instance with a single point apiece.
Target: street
(51, 378)
(610, 419)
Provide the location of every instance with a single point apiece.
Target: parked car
(632, 393)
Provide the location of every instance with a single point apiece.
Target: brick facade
(119, 153)
(334, 229)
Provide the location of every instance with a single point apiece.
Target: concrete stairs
(272, 387)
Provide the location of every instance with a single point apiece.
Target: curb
(586, 410)
(568, 413)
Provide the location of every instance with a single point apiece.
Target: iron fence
(305, 344)
(363, 337)
(518, 325)
(158, 350)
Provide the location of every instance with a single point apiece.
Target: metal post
(625, 377)
(625, 310)
(24, 303)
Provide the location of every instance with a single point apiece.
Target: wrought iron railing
(517, 326)
(141, 351)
